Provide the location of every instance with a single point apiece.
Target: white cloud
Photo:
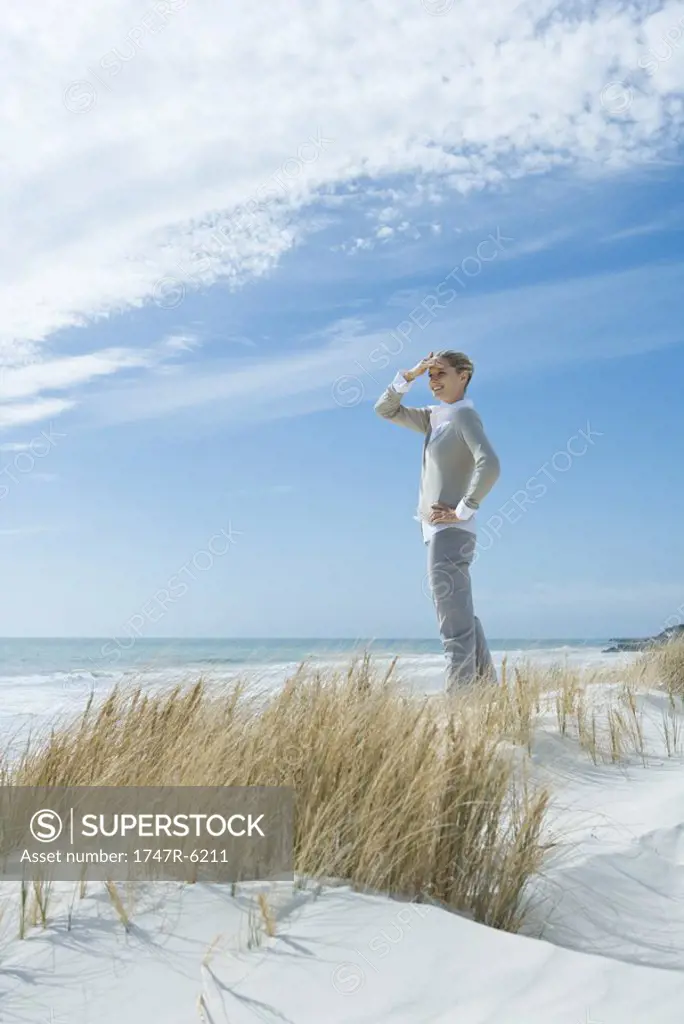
(536, 245)
(508, 332)
(68, 373)
(18, 352)
(672, 222)
(20, 413)
(181, 342)
(131, 133)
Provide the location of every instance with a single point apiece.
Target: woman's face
(446, 383)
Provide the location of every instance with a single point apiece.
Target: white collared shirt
(440, 415)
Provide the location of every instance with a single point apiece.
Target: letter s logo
(46, 826)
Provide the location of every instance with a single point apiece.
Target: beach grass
(666, 665)
(419, 798)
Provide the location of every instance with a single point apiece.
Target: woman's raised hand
(419, 369)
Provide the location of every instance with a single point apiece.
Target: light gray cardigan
(459, 463)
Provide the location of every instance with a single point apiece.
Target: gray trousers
(450, 553)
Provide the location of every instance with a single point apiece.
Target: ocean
(40, 678)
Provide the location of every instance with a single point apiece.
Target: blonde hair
(459, 360)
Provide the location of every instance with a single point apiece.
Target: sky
(226, 229)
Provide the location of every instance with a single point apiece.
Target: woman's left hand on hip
(442, 513)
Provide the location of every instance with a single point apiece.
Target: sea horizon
(41, 676)
(69, 662)
(287, 639)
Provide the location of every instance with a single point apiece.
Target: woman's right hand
(419, 369)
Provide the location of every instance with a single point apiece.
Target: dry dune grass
(666, 665)
(418, 797)
(597, 708)
(414, 797)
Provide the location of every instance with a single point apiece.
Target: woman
(459, 469)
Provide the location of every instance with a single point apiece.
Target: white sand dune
(603, 942)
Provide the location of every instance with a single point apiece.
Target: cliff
(631, 644)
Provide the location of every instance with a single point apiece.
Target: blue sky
(185, 396)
